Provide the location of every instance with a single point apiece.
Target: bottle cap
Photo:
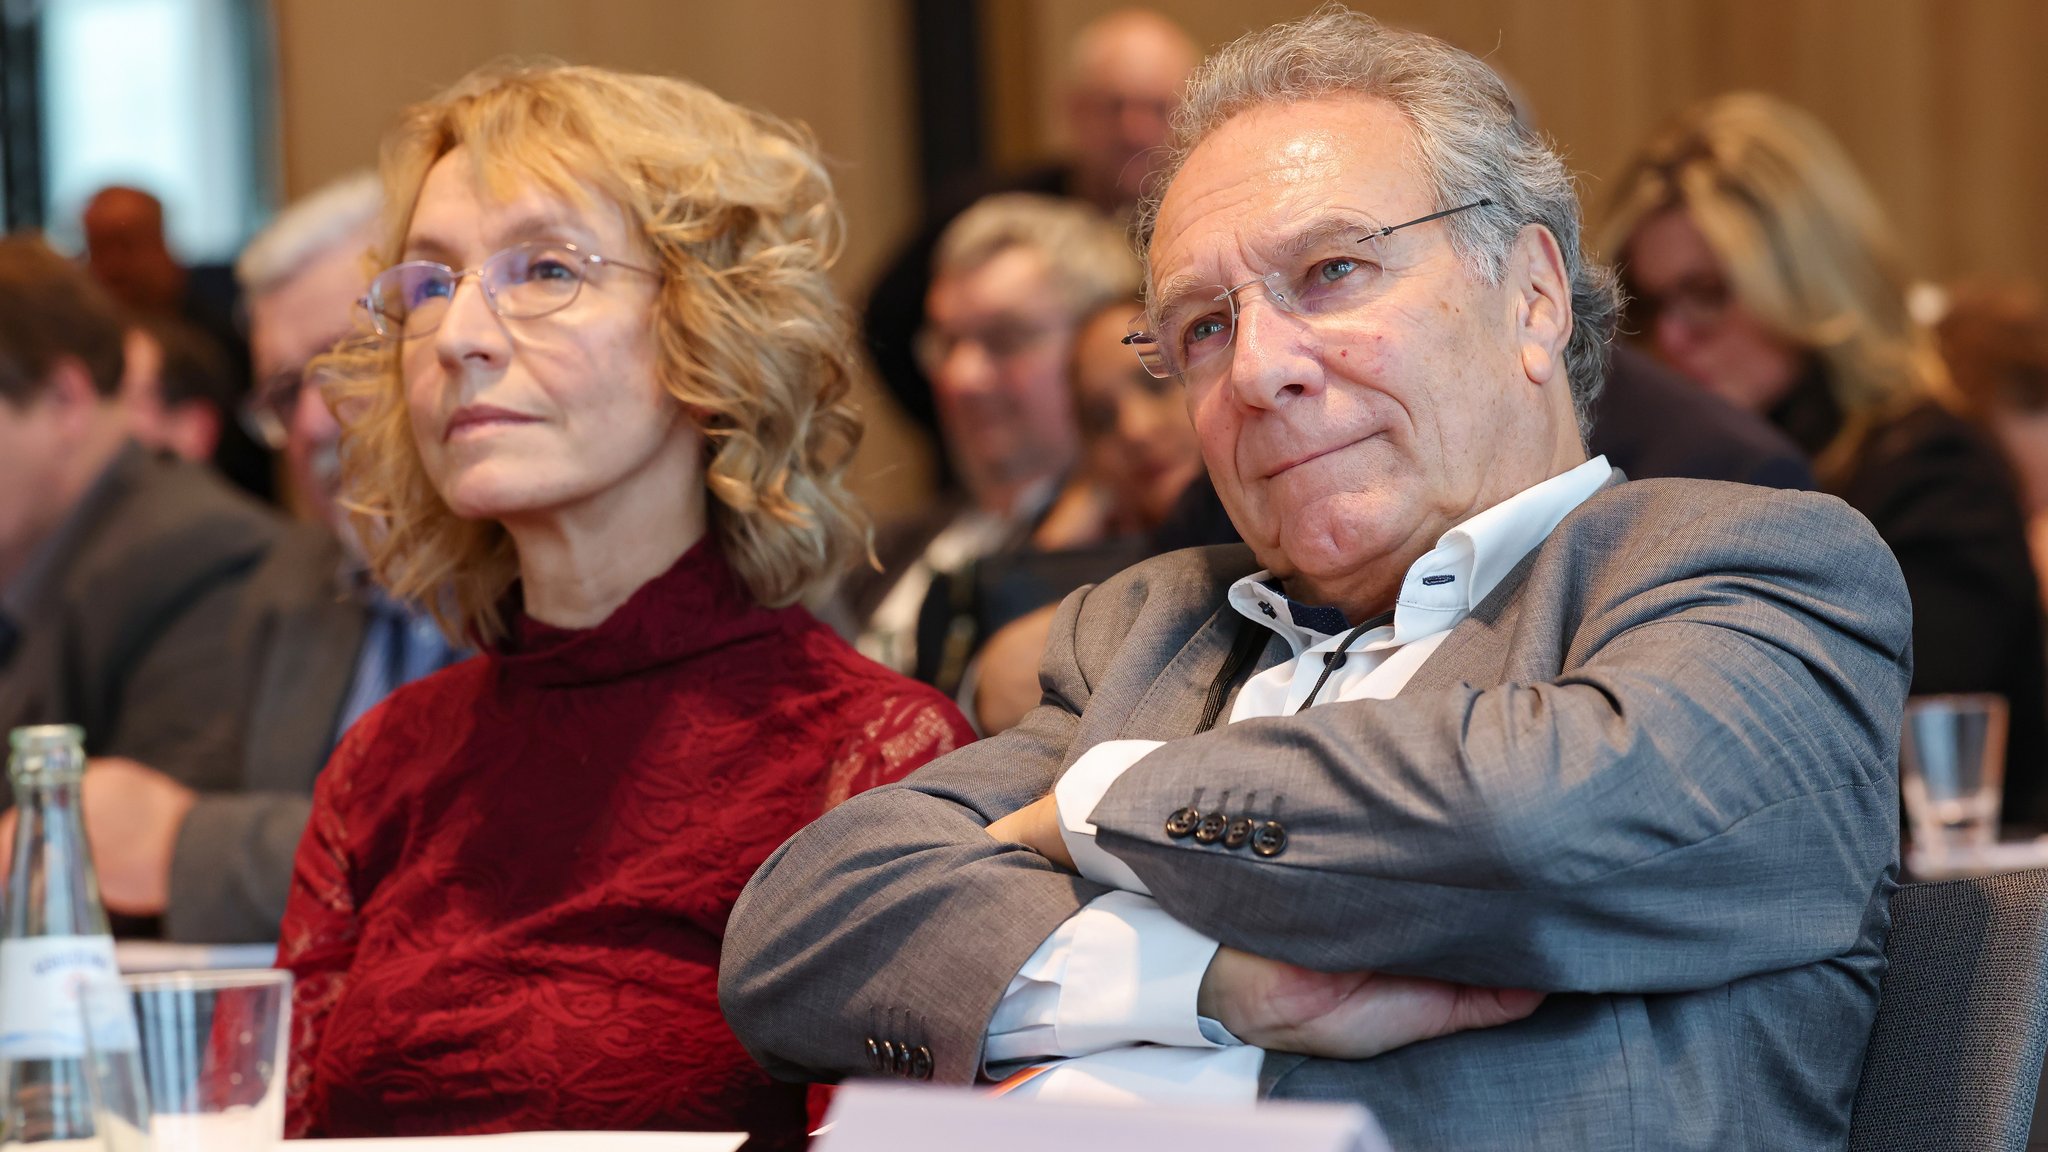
(47, 750)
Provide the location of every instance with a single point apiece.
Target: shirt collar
(1443, 586)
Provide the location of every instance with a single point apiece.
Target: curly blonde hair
(738, 212)
(1805, 246)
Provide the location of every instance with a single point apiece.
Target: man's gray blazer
(125, 631)
(294, 643)
(1653, 774)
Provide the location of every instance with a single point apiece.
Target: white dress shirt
(1113, 989)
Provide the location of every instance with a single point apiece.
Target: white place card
(868, 1117)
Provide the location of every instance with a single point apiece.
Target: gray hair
(1087, 254)
(308, 228)
(1470, 142)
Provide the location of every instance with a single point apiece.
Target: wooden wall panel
(1945, 105)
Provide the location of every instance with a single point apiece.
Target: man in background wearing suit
(120, 570)
(312, 644)
(1532, 808)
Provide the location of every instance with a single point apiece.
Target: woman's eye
(428, 288)
(549, 268)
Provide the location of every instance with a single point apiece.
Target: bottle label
(49, 985)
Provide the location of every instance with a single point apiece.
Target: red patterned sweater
(507, 910)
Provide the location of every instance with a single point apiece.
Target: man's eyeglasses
(1000, 341)
(1334, 274)
(267, 412)
(522, 282)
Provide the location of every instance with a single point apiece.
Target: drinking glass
(212, 1049)
(1952, 770)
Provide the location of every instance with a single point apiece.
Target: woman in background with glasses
(603, 430)
(1758, 262)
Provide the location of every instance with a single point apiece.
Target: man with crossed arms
(1533, 808)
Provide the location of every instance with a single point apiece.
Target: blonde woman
(602, 424)
(1758, 262)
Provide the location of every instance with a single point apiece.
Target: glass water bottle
(57, 966)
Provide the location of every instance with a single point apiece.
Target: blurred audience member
(1124, 75)
(609, 450)
(1013, 277)
(176, 388)
(314, 644)
(1138, 447)
(128, 253)
(1760, 265)
(1994, 337)
(119, 569)
(1139, 455)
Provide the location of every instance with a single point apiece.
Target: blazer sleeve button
(1240, 830)
(921, 1063)
(1182, 823)
(874, 1048)
(1210, 830)
(1269, 839)
(902, 1067)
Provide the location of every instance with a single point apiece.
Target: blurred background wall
(1943, 104)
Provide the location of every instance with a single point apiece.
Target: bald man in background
(128, 252)
(1123, 78)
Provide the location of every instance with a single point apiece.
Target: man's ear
(1543, 303)
(192, 430)
(69, 398)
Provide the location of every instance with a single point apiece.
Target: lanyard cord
(1335, 660)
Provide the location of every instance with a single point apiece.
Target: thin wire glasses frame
(523, 282)
(1165, 364)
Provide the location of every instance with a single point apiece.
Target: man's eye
(1207, 330)
(1331, 271)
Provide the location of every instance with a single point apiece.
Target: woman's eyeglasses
(520, 283)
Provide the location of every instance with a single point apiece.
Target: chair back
(1955, 1058)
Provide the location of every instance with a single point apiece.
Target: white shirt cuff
(1151, 1075)
(1076, 796)
(1118, 972)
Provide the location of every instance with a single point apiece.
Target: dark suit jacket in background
(1650, 421)
(1653, 774)
(1941, 494)
(295, 642)
(127, 635)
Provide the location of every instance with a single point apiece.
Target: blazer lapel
(1172, 707)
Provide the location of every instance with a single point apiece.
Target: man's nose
(967, 370)
(1271, 353)
(312, 420)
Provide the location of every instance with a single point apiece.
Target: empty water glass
(212, 1048)
(1952, 770)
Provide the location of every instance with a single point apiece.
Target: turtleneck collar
(697, 607)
